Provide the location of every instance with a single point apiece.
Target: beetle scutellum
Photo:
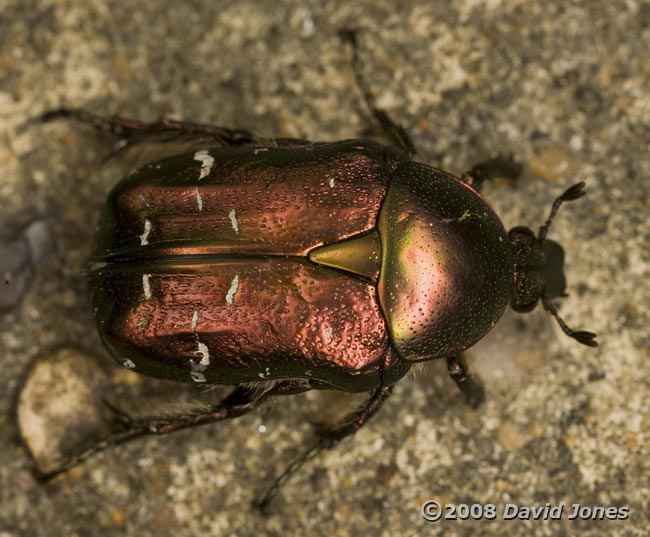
(304, 266)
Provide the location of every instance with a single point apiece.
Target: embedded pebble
(18, 257)
(59, 408)
(551, 164)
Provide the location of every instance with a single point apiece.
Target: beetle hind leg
(329, 438)
(468, 382)
(240, 401)
(132, 132)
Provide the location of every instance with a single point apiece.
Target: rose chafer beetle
(282, 265)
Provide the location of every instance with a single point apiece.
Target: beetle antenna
(573, 193)
(582, 336)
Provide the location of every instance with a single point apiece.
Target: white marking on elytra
(146, 286)
(199, 199)
(196, 376)
(331, 183)
(128, 363)
(206, 160)
(233, 220)
(203, 351)
(144, 200)
(266, 373)
(195, 319)
(259, 150)
(197, 368)
(234, 286)
(330, 332)
(144, 238)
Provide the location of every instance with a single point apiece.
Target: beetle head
(539, 268)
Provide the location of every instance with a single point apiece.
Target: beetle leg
(468, 383)
(390, 128)
(127, 128)
(132, 132)
(354, 421)
(504, 167)
(240, 401)
(350, 425)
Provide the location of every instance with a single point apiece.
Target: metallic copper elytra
(282, 318)
(251, 203)
(339, 263)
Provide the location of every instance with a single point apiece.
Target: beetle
(282, 265)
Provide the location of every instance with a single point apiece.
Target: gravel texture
(563, 86)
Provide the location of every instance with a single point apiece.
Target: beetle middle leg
(468, 383)
(393, 130)
(329, 438)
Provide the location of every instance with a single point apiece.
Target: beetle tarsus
(113, 439)
(115, 125)
(265, 501)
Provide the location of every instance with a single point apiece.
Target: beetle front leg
(329, 438)
(468, 383)
(497, 167)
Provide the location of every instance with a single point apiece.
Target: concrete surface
(564, 86)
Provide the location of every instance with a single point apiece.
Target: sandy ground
(563, 86)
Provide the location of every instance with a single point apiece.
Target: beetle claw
(263, 506)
